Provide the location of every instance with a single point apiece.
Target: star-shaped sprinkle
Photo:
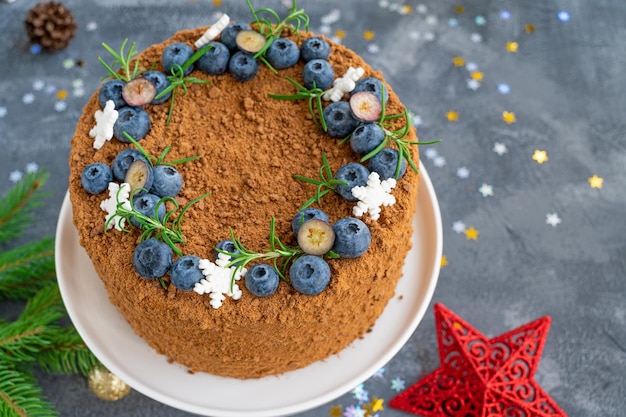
(336, 411)
(477, 75)
(473, 84)
(471, 233)
(452, 116)
(422, 9)
(3, 111)
(373, 407)
(505, 14)
(471, 66)
(480, 20)
(69, 63)
(371, 197)
(340, 34)
(459, 8)
(462, 172)
(32, 167)
(529, 28)
(439, 161)
(16, 176)
(508, 117)
(504, 88)
(35, 48)
(453, 22)
(398, 384)
(458, 226)
(38, 85)
(218, 280)
(406, 9)
(458, 61)
(486, 190)
(429, 36)
(373, 48)
(354, 411)
(105, 120)
(553, 219)
(60, 106)
(476, 37)
(500, 148)
(91, 26)
(563, 16)
(431, 153)
(512, 47)
(432, 20)
(443, 262)
(595, 181)
(28, 98)
(369, 35)
(540, 156)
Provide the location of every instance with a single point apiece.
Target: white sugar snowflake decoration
(105, 119)
(218, 280)
(377, 193)
(118, 194)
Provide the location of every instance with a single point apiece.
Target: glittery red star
(482, 377)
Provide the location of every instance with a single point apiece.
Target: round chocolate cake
(248, 146)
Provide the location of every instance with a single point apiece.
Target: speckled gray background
(567, 89)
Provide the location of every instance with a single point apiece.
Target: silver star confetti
(486, 190)
(458, 226)
(499, 148)
(462, 172)
(553, 219)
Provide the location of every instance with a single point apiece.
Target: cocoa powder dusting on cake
(250, 147)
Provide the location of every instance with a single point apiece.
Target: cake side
(250, 146)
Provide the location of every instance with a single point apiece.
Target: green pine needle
(17, 204)
(20, 396)
(26, 269)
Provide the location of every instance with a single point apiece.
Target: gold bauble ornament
(106, 385)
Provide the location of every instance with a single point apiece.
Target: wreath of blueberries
(359, 120)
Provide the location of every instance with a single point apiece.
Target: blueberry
(304, 216)
(355, 175)
(96, 177)
(133, 120)
(167, 181)
(314, 48)
(112, 90)
(309, 274)
(215, 60)
(229, 34)
(147, 205)
(261, 280)
(174, 54)
(186, 273)
(123, 161)
(352, 237)
(282, 53)
(160, 81)
(243, 66)
(373, 85)
(385, 163)
(318, 72)
(152, 258)
(366, 138)
(340, 121)
(226, 245)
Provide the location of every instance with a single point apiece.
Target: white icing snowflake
(117, 194)
(213, 31)
(218, 280)
(105, 119)
(377, 193)
(343, 84)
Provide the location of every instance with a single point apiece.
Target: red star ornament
(480, 377)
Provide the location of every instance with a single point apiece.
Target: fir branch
(27, 269)
(66, 353)
(18, 202)
(20, 396)
(325, 184)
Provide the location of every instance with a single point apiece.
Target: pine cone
(50, 25)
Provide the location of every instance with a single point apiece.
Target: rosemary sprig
(153, 160)
(325, 184)
(178, 80)
(123, 59)
(272, 27)
(314, 97)
(168, 230)
(280, 254)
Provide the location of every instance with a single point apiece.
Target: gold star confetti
(457, 325)
(406, 9)
(452, 116)
(471, 233)
(459, 9)
(444, 261)
(512, 46)
(217, 3)
(62, 94)
(373, 407)
(540, 156)
(477, 75)
(529, 28)
(595, 181)
(509, 117)
(458, 61)
(368, 35)
(340, 34)
(335, 411)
